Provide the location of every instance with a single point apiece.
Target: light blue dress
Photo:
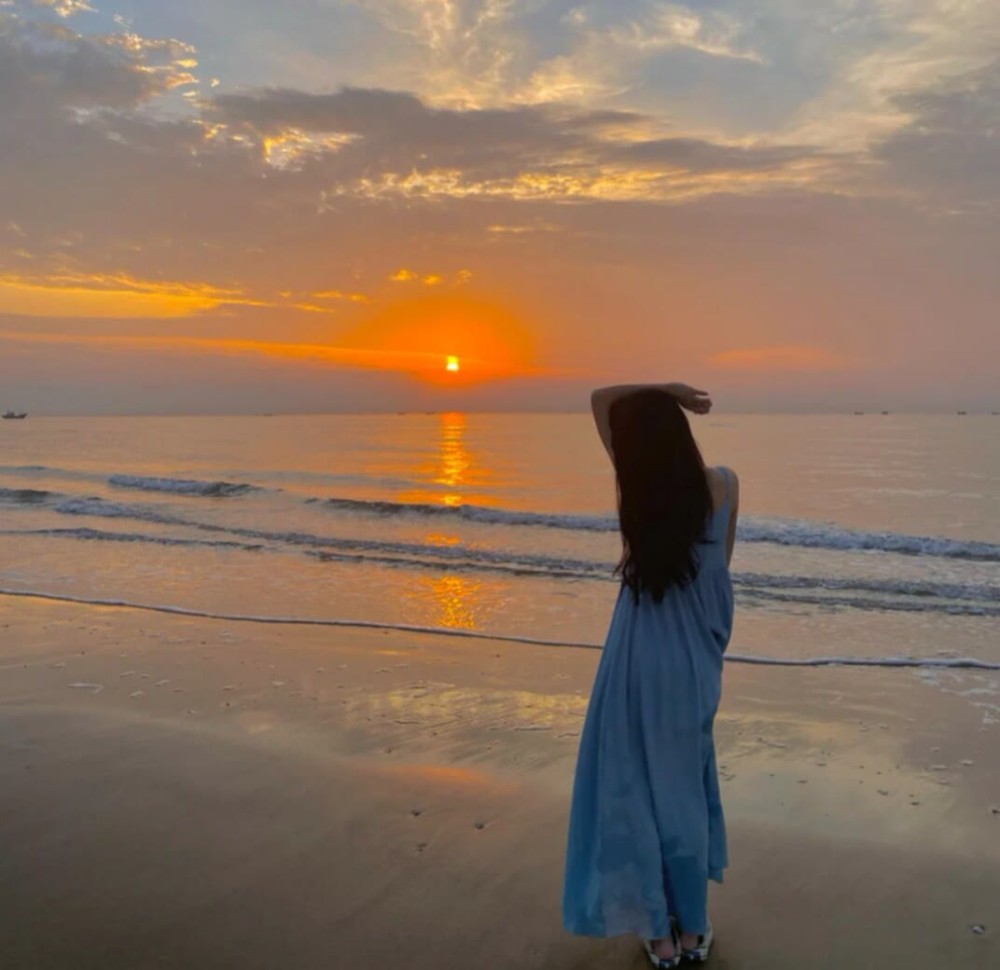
(646, 828)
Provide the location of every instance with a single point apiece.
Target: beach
(322, 470)
(187, 792)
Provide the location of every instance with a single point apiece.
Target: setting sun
(475, 338)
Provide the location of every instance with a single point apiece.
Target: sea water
(872, 537)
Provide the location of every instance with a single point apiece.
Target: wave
(776, 531)
(182, 486)
(959, 599)
(103, 509)
(24, 496)
(472, 513)
(795, 532)
(834, 661)
(872, 604)
(889, 587)
(100, 535)
(786, 532)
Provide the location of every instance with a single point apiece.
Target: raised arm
(601, 400)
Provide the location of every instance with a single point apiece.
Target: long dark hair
(663, 496)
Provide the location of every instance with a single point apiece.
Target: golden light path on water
(458, 601)
(456, 461)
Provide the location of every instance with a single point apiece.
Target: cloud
(393, 144)
(403, 276)
(460, 51)
(419, 341)
(428, 279)
(340, 295)
(858, 63)
(77, 295)
(950, 149)
(65, 8)
(353, 357)
(119, 296)
(50, 68)
(649, 211)
(666, 26)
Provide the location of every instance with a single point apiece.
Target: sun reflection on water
(454, 457)
(451, 473)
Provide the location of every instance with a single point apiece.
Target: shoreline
(178, 791)
(889, 662)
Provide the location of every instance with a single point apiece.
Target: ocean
(871, 538)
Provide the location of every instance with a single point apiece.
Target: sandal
(699, 953)
(665, 963)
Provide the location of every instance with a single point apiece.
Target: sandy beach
(180, 792)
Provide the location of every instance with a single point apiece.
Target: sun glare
(446, 337)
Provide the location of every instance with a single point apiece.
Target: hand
(691, 399)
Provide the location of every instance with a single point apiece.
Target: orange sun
(474, 339)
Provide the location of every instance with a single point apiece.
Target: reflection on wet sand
(468, 709)
(455, 600)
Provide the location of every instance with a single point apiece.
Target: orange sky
(319, 215)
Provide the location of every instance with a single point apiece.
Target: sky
(246, 206)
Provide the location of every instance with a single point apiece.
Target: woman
(646, 828)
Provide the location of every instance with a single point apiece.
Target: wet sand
(188, 793)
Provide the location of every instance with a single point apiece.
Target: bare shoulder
(722, 483)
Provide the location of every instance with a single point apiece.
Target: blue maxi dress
(646, 826)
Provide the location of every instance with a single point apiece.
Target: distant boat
(962, 412)
(885, 412)
(15, 415)
(859, 412)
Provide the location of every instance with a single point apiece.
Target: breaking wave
(182, 486)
